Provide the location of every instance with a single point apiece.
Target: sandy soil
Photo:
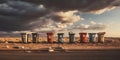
(13, 43)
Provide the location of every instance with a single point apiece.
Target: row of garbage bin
(83, 37)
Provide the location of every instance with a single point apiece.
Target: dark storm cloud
(82, 5)
(74, 4)
(19, 15)
(16, 15)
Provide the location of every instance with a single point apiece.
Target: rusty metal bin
(83, 37)
(101, 37)
(50, 37)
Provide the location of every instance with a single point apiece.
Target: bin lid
(50, 33)
(71, 33)
(92, 33)
(60, 33)
(83, 33)
(101, 33)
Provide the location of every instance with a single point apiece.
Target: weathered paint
(92, 37)
(71, 37)
(101, 37)
(24, 37)
(50, 37)
(83, 37)
(60, 37)
(35, 37)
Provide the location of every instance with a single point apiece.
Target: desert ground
(8, 43)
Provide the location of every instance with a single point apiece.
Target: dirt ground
(15, 43)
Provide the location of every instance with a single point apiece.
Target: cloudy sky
(60, 16)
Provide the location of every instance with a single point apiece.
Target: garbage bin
(35, 37)
(92, 37)
(83, 37)
(24, 37)
(60, 37)
(101, 37)
(71, 37)
(50, 37)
